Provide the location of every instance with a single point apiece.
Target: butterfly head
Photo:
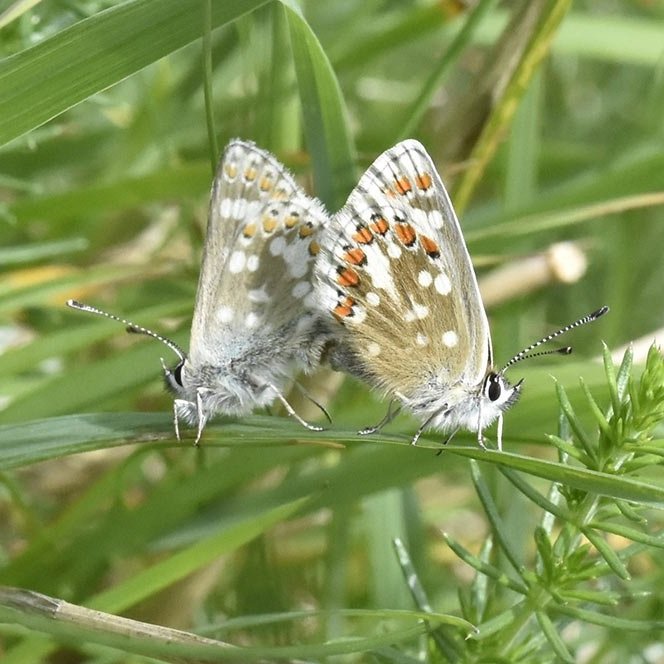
(192, 401)
(463, 406)
(174, 378)
(498, 394)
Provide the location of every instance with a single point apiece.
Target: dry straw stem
(563, 262)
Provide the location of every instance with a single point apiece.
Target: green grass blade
(97, 52)
(324, 113)
(550, 16)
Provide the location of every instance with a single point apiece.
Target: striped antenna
(131, 327)
(525, 353)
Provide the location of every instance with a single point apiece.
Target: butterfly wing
(395, 272)
(254, 305)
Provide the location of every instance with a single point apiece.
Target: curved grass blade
(324, 113)
(97, 52)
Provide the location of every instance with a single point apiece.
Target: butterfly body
(237, 380)
(395, 273)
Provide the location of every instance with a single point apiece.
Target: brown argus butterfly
(395, 273)
(255, 322)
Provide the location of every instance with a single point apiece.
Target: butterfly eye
(174, 377)
(494, 387)
(177, 373)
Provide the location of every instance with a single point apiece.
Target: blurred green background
(545, 120)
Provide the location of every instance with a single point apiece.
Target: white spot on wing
(373, 299)
(373, 349)
(358, 317)
(239, 208)
(435, 217)
(450, 338)
(420, 310)
(421, 339)
(258, 295)
(277, 246)
(442, 284)
(296, 258)
(310, 300)
(300, 289)
(424, 279)
(379, 269)
(225, 314)
(252, 263)
(253, 209)
(393, 250)
(236, 264)
(251, 320)
(225, 207)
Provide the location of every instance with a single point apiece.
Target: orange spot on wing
(291, 220)
(379, 224)
(429, 246)
(423, 181)
(250, 174)
(249, 230)
(279, 194)
(355, 256)
(347, 276)
(406, 233)
(403, 186)
(344, 308)
(306, 230)
(265, 184)
(269, 223)
(363, 235)
(230, 170)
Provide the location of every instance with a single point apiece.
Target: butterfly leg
(291, 411)
(499, 432)
(176, 420)
(423, 426)
(447, 440)
(389, 416)
(499, 435)
(314, 402)
(202, 418)
(480, 437)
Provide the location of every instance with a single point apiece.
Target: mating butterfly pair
(386, 285)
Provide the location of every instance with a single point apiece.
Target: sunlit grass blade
(97, 52)
(494, 517)
(548, 21)
(324, 113)
(416, 111)
(185, 180)
(605, 484)
(19, 255)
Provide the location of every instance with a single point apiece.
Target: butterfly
(255, 321)
(395, 273)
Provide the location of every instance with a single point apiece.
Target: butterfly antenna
(526, 352)
(131, 327)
